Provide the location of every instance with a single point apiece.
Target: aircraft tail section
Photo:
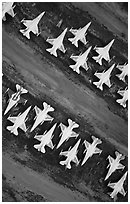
(38, 147)
(4, 18)
(46, 106)
(121, 102)
(98, 85)
(75, 68)
(14, 131)
(25, 33)
(68, 166)
(98, 59)
(52, 51)
(74, 42)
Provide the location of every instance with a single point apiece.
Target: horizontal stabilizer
(25, 33)
(98, 85)
(52, 51)
(9, 128)
(75, 68)
(74, 42)
(121, 102)
(98, 59)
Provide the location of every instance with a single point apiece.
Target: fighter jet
(41, 115)
(57, 44)
(79, 35)
(67, 132)
(124, 69)
(32, 25)
(80, 60)
(104, 78)
(114, 164)
(45, 140)
(71, 155)
(19, 122)
(91, 149)
(118, 187)
(123, 100)
(15, 98)
(103, 53)
(7, 7)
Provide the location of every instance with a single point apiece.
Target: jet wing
(12, 119)
(11, 12)
(50, 144)
(62, 48)
(23, 127)
(64, 153)
(120, 166)
(122, 92)
(106, 57)
(83, 40)
(75, 160)
(63, 127)
(74, 134)
(27, 23)
(111, 160)
(85, 66)
(74, 31)
(48, 118)
(38, 137)
(51, 41)
(122, 191)
(35, 30)
(98, 75)
(112, 185)
(108, 83)
(38, 110)
(75, 58)
(97, 151)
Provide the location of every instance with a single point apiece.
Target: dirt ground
(49, 79)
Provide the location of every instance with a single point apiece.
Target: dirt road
(83, 102)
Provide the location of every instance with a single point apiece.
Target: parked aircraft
(80, 60)
(15, 98)
(118, 187)
(114, 164)
(91, 149)
(45, 140)
(19, 122)
(67, 132)
(57, 44)
(42, 115)
(79, 35)
(123, 100)
(103, 53)
(71, 155)
(7, 7)
(32, 26)
(104, 78)
(124, 69)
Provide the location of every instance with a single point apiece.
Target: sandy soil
(49, 79)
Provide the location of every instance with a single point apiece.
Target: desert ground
(29, 175)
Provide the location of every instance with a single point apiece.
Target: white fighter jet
(104, 78)
(124, 69)
(7, 7)
(67, 132)
(57, 44)
(41, 115)
(15, 98)
(114, 164)
(32, 25)
(103, 53)
(80, 60)
(91, 149)
(19, 122)
(123, 100)
(79, 35)
(118, 187)
(71, 155)
(45, 140)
